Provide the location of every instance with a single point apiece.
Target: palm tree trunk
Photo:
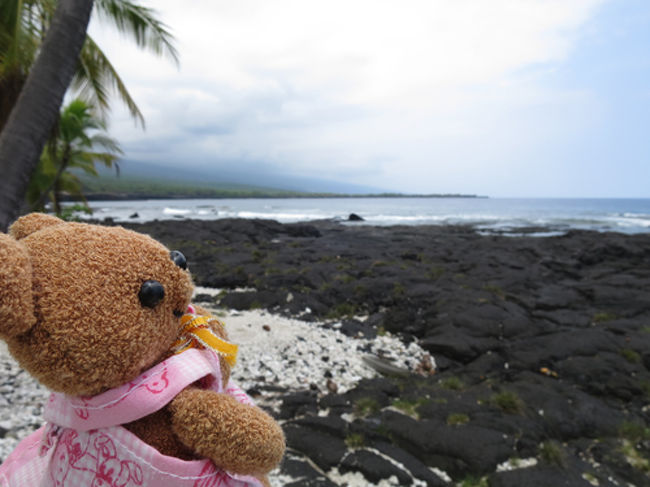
(24, 136)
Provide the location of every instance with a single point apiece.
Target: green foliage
(80, 143)
(344, 278)
(552, 453)
(508, 401)
(70, 213)
(453, 383)
(343, 265)
(635, 431)
(435, 272)
(22, 29)
(645, 387)
(355, 440)
(360, 290)
(457, 419)
(342, 310)
(630, 355)
(366, 406)
(472, 481)
(325, 286)
(634, 457)
(136, 186)
(496, 290)
(591, 478)
(398, 289)
(409, 406)
(603, 317)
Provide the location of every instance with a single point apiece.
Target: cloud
(414, 96)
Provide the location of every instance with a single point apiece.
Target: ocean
(489, 215)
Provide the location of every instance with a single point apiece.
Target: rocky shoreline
(542, 346)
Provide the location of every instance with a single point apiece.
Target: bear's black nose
(179, 259)
(151, 293)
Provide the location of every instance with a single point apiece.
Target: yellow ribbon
(196, 333)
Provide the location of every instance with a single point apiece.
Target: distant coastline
(137, 188)
(487, 214)
(261, 195)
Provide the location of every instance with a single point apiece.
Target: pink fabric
(84, 444)
(151, 391)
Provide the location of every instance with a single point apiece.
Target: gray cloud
(434, 98)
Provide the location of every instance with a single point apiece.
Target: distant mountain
(139, 180)
(250, 176)
(109, 187)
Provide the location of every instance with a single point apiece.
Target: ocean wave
(633, 222)
(636, 215)
(497, 215)
(176, 211)
(279, 216)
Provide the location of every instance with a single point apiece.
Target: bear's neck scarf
(196, 333)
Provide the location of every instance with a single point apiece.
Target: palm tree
(40, 46)
(80, 143)
(23, 24)
(36, 110)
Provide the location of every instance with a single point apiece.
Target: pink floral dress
(83, 444)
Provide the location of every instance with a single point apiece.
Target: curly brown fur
(91, 332)
(16, 304)
(156, 429)
(31, 223)
(250, 441)
(174, 430)
(70, 313)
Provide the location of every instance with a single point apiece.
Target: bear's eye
(179, 259)
(151, 293)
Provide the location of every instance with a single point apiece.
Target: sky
(504, 98)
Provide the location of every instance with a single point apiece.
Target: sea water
(489, 215)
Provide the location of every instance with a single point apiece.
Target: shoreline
(280, 354)
(542, 347)
(488, 215)
(323, 359)
(223, 196)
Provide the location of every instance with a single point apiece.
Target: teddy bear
(140, 378)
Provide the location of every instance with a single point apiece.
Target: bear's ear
(16, 300)
(28, 224)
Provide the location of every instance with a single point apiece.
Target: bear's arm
(237, 437)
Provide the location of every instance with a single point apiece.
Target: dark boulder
(373, 467)
(455, 449)
(541, 476)
(323, 449)
(535, 339)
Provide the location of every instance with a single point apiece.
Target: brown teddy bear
(102, 317)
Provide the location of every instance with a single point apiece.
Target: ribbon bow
(196, 333)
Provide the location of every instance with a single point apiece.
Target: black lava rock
(537, 341)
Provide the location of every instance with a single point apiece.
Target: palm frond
(85, 164)
(71, 184)
(95, 74)
(107, 143)
(18, 42)
(141, 23)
